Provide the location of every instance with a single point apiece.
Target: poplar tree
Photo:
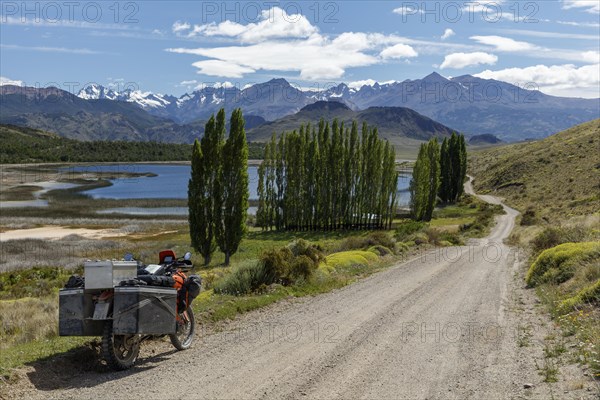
(233, 182)
(201, 226)
(446, 173)
(433, 156)
(418, 187)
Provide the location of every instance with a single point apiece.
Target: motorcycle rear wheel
(186, 326)
(119, 351)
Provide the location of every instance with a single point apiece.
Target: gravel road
(439, 326)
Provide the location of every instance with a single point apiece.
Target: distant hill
(559, 176)
(392, 122)
(27, 145)
(485, 139)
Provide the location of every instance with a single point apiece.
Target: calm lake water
(171, 182)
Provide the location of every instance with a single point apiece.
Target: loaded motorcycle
(127, 303)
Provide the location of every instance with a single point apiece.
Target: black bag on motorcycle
(189, 291)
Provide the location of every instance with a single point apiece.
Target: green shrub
(453, 238)
(402, 247)
(244, 278)
(380, 250)
(287, 265)
(420, 238)
(303, 247)
(405, 229)
(558, 264)
(528, 217)
(553, 236)
(364, 242)
(433, 235)
(590, 295)
(301, 268)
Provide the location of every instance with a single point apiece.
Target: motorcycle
(127, 303)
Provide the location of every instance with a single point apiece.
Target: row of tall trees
(218, 187)
(327, 177)
(439, 173)
(453, 162)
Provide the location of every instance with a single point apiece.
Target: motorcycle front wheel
(186, 326)
(119, 351)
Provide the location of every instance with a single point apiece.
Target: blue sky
(173, 47)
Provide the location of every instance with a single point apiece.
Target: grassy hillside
(558, 176)
(27, 145)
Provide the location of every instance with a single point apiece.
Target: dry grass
(28, 319)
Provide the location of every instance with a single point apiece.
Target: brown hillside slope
(558, 176)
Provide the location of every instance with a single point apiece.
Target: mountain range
(471, 105)
(468, 104)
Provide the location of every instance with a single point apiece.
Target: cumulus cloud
(289, 43)
(407, 10)
(560, 80)
(399, 51)
(447, 33)
(7, 81)
(505, 44)
(275, 23)
(179, 26)
(462, 60)
(590, 6)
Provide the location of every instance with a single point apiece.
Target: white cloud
(399, 51)
(554, 35)
(7, 81)
(407, 10)
(179, 26)
(222, 68)
(447, 33)
(48, 49)
(591, 56)
(275, 23)
(64, 23)
(291, 46)
(502, 43)
(462, 60)
(584, 24)
(590, 6)
(561, 80)
(187, 83)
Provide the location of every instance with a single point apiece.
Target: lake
(170, 182)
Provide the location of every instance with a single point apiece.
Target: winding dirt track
(437, 326)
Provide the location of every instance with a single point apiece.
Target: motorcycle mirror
(187, 256)
(128, 257)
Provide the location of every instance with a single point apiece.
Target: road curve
(434, 327)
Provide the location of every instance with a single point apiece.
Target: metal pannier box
(75, 309)
(108, 274)
(144, 310)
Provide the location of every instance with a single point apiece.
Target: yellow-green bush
(590, 294)
(350, 258)
(380, 250)
(558, 264)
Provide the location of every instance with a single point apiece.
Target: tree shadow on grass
(83, 367)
